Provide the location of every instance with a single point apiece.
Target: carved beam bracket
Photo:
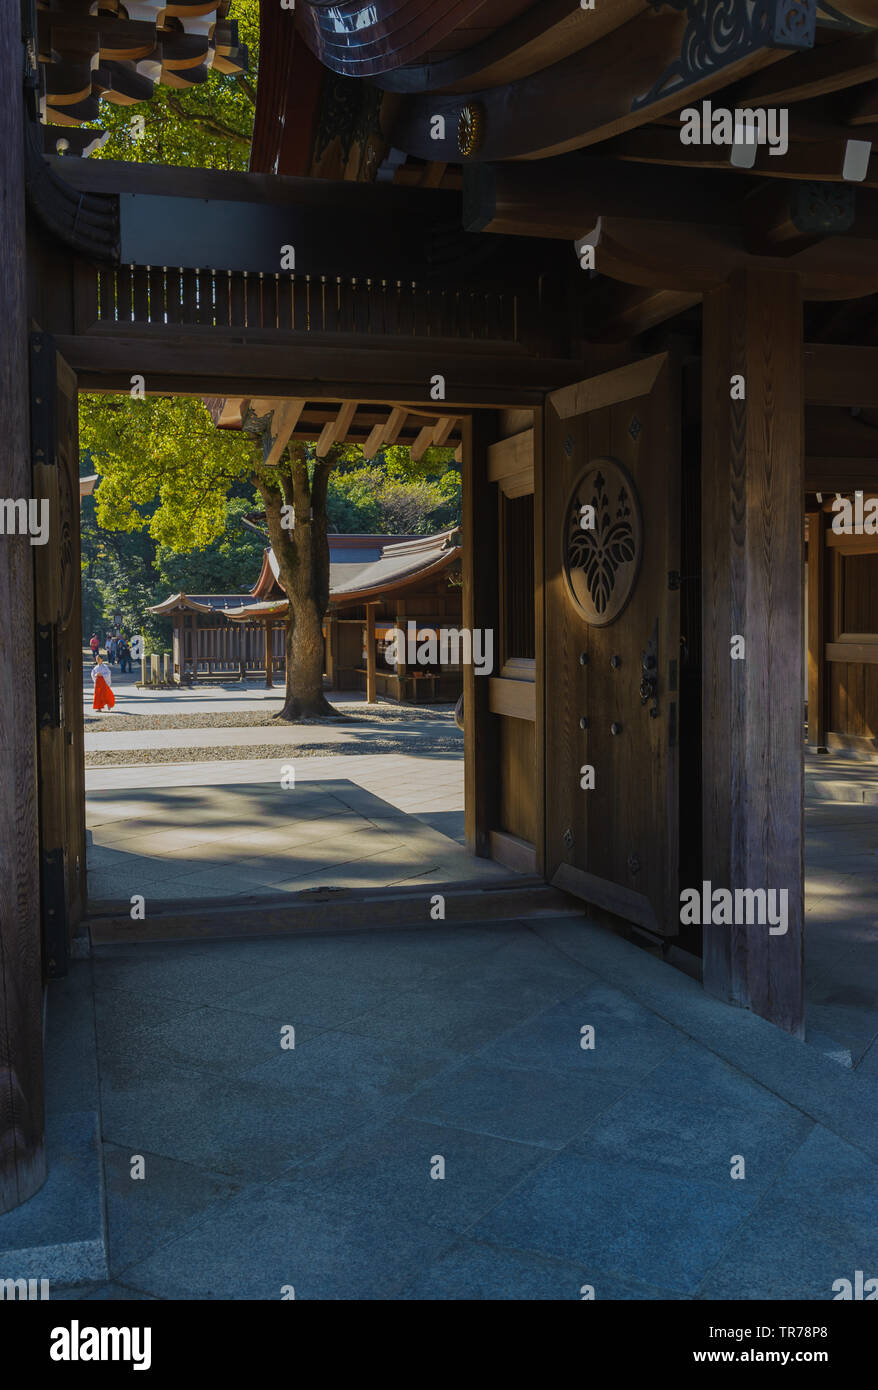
(721, 32)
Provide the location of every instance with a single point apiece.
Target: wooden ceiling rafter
(336, 431)
(326, 424)
(388, 433)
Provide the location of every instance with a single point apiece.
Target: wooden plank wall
(22, 1144)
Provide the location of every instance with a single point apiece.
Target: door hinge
(48, 684)
(53, 893)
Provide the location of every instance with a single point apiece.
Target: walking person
(124, 653)
(111, 650)
(101, 677)
(94, 643)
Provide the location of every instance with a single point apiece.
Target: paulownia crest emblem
(603, 541)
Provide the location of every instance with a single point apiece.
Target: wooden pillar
(480, 571)
(22, 1123)
(331, 650)
(268, 655)
(402, 670)
(817, 594)
(752, 533)
(371, 682)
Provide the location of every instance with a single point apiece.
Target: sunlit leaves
(163, 467)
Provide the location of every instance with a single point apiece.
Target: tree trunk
(302, 554)
(304, 698)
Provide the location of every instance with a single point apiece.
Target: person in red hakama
(104, 697)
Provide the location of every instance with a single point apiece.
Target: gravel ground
(128, 757)
(354, 713)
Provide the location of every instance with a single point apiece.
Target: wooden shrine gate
(58, 617)
(612, 507)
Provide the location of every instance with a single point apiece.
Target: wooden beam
(422, 443)
(696, 259)
(840, 474)
(629, 77)
(563, 197)
(782, 220)
(831, 67)
(240, 364)
(431, 436)
(624, 311)
(817, 573)
(836, 375)
(283, 422)
(385, 434)
(511, 464)
(336, 431)
(752, 589)
(820, 160)
(544, 34)
(22, 1123)
(512, 698)
(481, 608)
(444, 430)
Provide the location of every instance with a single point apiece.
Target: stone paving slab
(561, 1166)
(372, 821)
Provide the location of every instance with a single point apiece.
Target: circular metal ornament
(601, 561)
(470, 128)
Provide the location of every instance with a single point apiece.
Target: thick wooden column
(22, 1140)
(752, 532)
(371, 682)
(481, 607)
(817, 629)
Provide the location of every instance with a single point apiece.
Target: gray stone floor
(841, 909)
(611, 1167)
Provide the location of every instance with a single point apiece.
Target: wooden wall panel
(518, 779)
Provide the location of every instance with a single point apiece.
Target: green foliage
(230, 565)
(383, 497)
(164, 467)
(208, 126)
(117, 576)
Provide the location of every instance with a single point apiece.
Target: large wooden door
(612, 662)
(58, 612)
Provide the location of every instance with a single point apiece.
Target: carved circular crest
(470, 128)
(602, 541)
